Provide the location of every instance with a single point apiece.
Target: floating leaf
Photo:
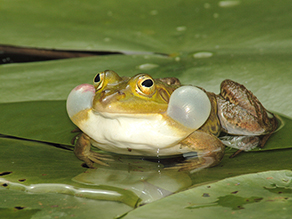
(148, 26)
(240, 197)
(34, 167)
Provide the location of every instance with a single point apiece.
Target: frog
(143, 116)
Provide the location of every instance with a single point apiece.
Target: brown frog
(159, 117)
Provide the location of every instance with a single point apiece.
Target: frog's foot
(207, 149)
(194, 164)
(83, 152)
(242, 143)
(241, 113)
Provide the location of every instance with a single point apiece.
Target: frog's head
(138, 95)
(130, 95)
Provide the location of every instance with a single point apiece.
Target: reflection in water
(92, 193)
(148, 180)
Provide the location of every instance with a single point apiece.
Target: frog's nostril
(106, 98)
(121, 93)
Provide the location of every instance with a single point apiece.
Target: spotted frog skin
(159, 117)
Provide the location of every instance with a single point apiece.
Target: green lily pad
(38, 121)
(147, 26)
(25, 206)
(53, 171)
(244, 163)
(265, 194)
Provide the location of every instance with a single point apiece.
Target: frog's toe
(93, 157)
(243, 143)
(99, 158)
(83, 152)
(193, 164)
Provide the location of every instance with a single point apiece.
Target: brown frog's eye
(146, 86)
(98, 80)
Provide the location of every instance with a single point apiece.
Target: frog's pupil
(147, 83)
(97, 78)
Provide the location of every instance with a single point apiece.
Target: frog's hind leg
(207, 149)
(241, 113)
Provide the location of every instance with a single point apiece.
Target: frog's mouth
(80, 98)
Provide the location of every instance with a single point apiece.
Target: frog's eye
(98, 80)
(146, 86)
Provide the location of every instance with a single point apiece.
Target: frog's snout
(80, 98)
(108, 96)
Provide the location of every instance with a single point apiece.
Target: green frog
(150, 117)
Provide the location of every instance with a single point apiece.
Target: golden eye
(98, 80)
(146, 85)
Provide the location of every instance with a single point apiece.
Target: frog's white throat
(132, 134)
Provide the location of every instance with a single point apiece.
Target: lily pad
(244, 163)
(53, 172)
(264, 194)
(38, 121)
(25, 206)
(148, 26)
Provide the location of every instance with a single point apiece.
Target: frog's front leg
(241, 113)
(209, 151)
(83, 152)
